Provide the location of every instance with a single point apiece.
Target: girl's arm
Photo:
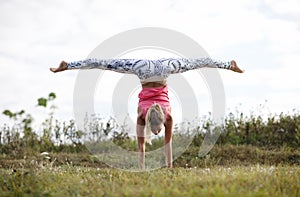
(168, 140)
(140, 131)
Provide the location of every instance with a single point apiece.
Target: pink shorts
(149, 96)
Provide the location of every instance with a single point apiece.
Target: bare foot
(62, 67)
(234, 67)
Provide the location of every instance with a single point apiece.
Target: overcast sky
(262, 35)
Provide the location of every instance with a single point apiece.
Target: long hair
(154, 116)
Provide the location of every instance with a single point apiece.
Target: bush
(275, 132)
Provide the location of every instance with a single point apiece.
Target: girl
(154, 109)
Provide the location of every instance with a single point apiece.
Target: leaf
(21, 112)
(9, 113)
(42, 102)
(51, 96)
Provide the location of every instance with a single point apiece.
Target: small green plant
(274, 132)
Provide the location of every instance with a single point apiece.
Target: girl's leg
(141, 67)
(186, 64)
(128, 66)
(62, 66)
(234, 67)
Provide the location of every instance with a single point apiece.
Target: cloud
(262, 35)
(282, 9)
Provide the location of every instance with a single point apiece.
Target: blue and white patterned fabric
(149, 70)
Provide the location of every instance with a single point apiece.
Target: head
(155, 118)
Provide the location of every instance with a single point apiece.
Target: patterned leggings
(146, 69)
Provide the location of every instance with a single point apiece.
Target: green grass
(254, 180)
(228, 170)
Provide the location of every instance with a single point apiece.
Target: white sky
(262, 35)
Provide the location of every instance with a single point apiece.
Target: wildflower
(271, 169)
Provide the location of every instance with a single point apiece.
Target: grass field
(252, 157)
(255, 180)
(226, 171)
